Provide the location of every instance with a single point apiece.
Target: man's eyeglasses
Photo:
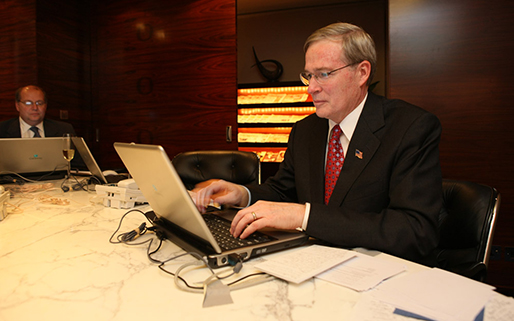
(29, 103)
(321, 77)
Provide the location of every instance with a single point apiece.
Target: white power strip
(4, 197)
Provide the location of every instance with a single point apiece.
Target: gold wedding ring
(254, 216)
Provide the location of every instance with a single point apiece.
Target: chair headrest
(234, 166)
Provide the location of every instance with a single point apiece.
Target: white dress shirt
(27, 133)
(348, 127)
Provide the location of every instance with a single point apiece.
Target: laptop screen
(31, 156)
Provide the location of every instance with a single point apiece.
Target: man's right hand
(221, 192)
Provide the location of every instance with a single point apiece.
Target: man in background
(31, 103)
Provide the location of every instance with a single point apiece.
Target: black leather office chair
(466, 228)
(233, 166)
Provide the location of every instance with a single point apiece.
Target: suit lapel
(362, 147)
(317, 150)
(50, 129)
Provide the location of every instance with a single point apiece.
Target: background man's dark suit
(53, 128)
(389, 200)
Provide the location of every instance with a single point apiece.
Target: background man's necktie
(335, 160)
(35, 130)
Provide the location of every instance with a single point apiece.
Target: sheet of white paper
(499, 308)
(371, 309)
(362, 272)
(303, 264)
(436, 294)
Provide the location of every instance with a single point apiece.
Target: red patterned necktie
(335, 160)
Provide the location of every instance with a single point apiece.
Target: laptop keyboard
(220, 229)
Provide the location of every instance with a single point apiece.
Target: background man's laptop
(177, 216)
(92, 166)
(33, 157)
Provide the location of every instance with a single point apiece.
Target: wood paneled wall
(18, 58)
(165, 74)
(454, 58)
(63, 60)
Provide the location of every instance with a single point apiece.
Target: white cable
(183, 266)
(238, 286)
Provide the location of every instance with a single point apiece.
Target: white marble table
(56, 263)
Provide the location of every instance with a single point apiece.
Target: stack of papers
(431, 294)
(354, 270)
(436, 294)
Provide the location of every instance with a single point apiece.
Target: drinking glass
(68, 151)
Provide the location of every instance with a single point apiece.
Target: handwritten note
(305, 263)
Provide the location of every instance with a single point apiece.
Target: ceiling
(256, 6)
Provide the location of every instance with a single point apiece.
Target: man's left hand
(286, 216)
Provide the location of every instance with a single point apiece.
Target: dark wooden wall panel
(18, 58)
(454, 58)
(63, 56)
(166, 74)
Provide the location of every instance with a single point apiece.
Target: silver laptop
(92, 166)
(32, 156)
(89, 160)
(175, 214)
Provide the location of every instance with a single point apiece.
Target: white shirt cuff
(306, 216)
(249, 196)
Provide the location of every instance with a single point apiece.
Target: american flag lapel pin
(358, 154)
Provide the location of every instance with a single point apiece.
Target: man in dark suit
(388, 194)
(31, 103)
